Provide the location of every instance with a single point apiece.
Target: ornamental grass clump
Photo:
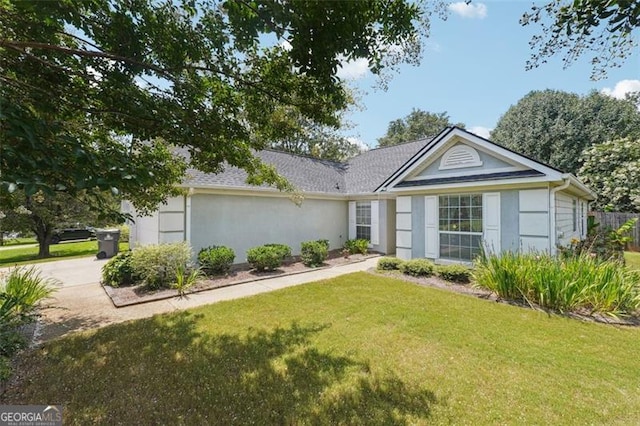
(21, 291)
(563, 284)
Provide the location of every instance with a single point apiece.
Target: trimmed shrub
(417, 267)
(314, 253)
(389, 263)
(267, 257)
(283, 249)
(216, 259)
(357, 246)
(118, 270)
(454, 273)
(158, 265)
(324, 243)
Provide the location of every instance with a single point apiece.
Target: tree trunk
(43, 235)
(44, 241)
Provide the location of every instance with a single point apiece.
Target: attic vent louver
(460, 156)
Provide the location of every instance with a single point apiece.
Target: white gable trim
(460, 173)
(450, 136)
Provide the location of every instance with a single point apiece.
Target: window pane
(444, 200)
(454, 201)
(476, 212)
(363, 232)
(476, 200)
(465, 240)
(363, 213)
(465, 253)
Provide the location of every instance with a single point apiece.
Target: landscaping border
(130, 295)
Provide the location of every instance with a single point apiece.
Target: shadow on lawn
(163, 370)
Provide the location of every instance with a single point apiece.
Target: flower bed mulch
(239, 274)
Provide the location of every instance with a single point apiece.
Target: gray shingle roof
(362, 174)
(368, 170)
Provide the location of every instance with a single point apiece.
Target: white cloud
(353, 70)
(483, 132)
(360, 143)
(284, 44)
(470, 10)
(622, 88)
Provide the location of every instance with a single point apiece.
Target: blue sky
(474, 68)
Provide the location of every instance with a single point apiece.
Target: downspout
(552, 213)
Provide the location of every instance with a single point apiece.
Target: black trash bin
(108, 240)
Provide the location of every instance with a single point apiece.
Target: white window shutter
(491, 222)
(431, 237)
(375, 227)
(352, 220)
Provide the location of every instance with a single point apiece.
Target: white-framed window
(575, 214)
(460, 226)
(363, 220)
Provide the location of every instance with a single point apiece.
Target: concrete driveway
(73, 272)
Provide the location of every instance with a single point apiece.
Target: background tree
(94, 94)
(607, 29)
(40, 213)
(418, 124)
(554, 127)
(612, 169)
(318, 140)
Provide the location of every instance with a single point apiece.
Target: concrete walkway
(85, 306)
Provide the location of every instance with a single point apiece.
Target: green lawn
(632, 259)
(358, 349)
(19, 241)
(24, 255)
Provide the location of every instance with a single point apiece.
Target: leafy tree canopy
(95, 94)
(612, 169)
(554, 127)
(607, 29)
(40, 214)
(417, 125)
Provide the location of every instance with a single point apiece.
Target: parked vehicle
(71, 234)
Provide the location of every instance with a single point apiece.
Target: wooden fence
(615, 220)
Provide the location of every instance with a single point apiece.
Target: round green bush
(267, 257)
(216, 259)
(314, 253)
(454, 273)
(283, 249)
(118, 270)
(389, 263)
(417, 267)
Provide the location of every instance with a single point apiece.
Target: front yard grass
(632, 259)
(357, 349)
(28, 255)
